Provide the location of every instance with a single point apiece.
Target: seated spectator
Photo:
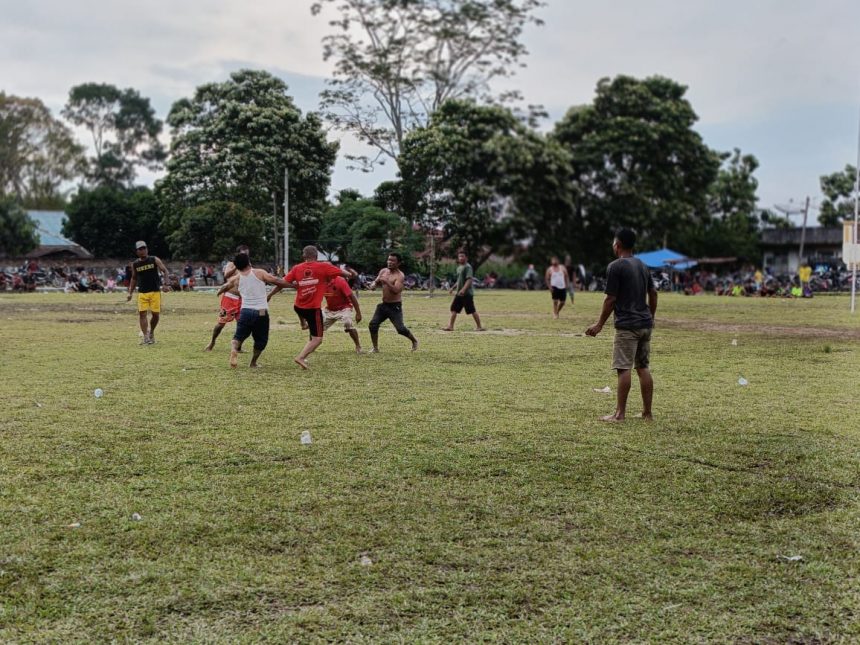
(71, 286)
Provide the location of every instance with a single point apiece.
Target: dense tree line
(413, 81)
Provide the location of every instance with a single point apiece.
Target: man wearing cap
(144, 275)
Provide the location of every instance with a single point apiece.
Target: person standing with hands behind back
(465, 297)
(628, 283)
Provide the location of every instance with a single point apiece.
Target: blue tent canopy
(666, 259)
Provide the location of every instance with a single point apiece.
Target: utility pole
(275, 224)
(803, 230)
(432, 261)
(286, 221)
(856, 240)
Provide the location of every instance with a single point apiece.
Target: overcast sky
(777, 78)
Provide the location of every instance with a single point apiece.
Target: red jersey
(337, 295)
(311, 278)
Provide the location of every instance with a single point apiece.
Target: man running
(311, 277)
(144, 276)
(231, 301)
(254, 316)
(465, 298)
(342, 305)
(391, 307)
(627, 283)
(558, 282)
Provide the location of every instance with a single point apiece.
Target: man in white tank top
(558, 282)
(254, 316)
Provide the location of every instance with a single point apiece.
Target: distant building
(781, 247)
(52, 244)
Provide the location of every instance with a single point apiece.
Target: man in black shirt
(628, 283)
(144, 275)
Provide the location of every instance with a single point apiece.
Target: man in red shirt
(340, 304)
(311, 277)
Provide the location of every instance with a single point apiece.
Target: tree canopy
(484, 177)
(232, 141)
(636, 161)
(396, 62)
(17, 230)
(838, 189)
(38, 153)
(124, 131)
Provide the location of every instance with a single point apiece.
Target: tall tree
(838, 188)
(731, 226)
(636, 162)
(38, 153)
(17, 230)
(232, 141)
(485, 178)
(107, 221)
(398, 61)
(212, 231)
(124, 131)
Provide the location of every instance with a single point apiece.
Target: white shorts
(343, 315)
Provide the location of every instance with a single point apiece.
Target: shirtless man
(231, 301)
(254, 317)
(391, 307)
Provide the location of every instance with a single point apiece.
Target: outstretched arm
(230, 284)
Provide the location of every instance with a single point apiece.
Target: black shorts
(313, 317)
(253, 322)
(466, 302)
(559, 294)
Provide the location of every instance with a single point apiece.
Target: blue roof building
(52, 244)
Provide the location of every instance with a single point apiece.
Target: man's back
(629, 281)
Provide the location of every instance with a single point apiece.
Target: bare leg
(254, 357)
(555, 308)
(234, 353)
(477, 318)
(353, 333)
(560, 306)
(624, 379)
(144, 324)
(215, 332)
(646, 385)
(450, 326)
(311, 345)
(153, 323)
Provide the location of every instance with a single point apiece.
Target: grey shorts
(632, 348)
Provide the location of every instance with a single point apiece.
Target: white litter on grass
(38, 405)
(602, 390)
(306, 438)
(791, 558)
(98, 393)
(366, 561)
(743, 382)
(734, 342)
(136, 517)
(75, 525)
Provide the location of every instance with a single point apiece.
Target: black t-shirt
(148, 278)
(629, 281)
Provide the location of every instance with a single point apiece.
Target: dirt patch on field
(768, 330)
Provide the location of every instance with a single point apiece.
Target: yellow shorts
(149, 301)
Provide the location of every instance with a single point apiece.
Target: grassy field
(466, 492)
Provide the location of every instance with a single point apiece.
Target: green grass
(473, 473)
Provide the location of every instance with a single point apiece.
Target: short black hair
(626, 238)
(396, 255)
(242, 261)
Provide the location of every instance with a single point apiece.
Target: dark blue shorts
(253, 322)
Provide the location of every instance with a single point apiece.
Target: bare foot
(612, 418)
(301, 363)
(208, 348)
(414, 345)
(359, 350)
(375, 350)
(254, 366)
(480, 329)
(234, 358)
(647, 417)
(447, 329)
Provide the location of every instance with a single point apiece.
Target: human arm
(652, 302)
(546, 278)
(278, 288)
(163, 269)
(383, 274)
(356, 307)
(268, 278)
(132, 283)
(230, 284)
(466, 286)
(229, 270)
(605, 312)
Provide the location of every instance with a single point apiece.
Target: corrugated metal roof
(50, 227)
